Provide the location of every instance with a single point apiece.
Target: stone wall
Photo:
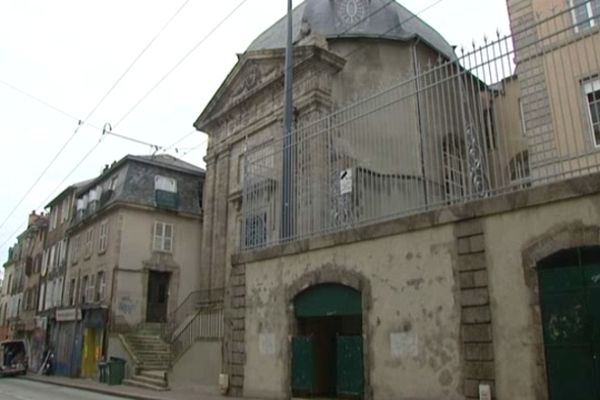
(459, 282)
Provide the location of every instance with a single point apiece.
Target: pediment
(249, 76)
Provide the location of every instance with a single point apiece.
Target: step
(153, 366)
(150, 380)
(144, 385)
(156, 374)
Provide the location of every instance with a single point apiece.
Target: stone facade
(490, 334)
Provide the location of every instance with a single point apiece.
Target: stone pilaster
(476, 314)
(234, 360)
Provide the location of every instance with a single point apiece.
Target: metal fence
(207, 324)
(516, 111)
(197, 300)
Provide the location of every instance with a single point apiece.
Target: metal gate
(303, 365)
(570, 300)
(349, 366)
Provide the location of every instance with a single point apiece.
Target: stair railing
(207, 324)
(197, 300)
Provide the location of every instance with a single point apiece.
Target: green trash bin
(116, 371)
(103, 372)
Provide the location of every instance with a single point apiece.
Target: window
(65, 210)
(75, 249)
(53, 218)
(89, 235)
(522, 117)
(255, 234)
(490, 129)
(83, 288)
(166, 192)
(91, 288)
(72, 292)
(591, 89)
(100, 285)
(585, 13)
(163, 237)
(41, 297)
(519, 170)
(453, 150)
(103, 237)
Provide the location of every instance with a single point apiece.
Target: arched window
(453, 155)
(519, 170)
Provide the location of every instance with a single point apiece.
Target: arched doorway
(569, 284)
(327, 350)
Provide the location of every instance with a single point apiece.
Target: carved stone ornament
(351, 12)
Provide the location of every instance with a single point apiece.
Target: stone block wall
(235, 330)
(476, 316)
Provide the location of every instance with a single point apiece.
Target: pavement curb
(100, 390)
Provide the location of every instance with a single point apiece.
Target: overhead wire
(94, 109)
(181, 61)
(49, 197)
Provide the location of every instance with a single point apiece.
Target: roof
(160, 160)
(69, 188)
(169, 161)
(375, 19)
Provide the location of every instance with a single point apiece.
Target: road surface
(20, 389)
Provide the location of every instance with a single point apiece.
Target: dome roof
(353, 18)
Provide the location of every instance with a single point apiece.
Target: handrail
(207, 324)
(194, 301)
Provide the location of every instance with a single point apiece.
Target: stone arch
(569, 236)
(335, 275)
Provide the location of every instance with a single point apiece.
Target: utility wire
(85, 120)
(178, 64)
(37, 99)
(135, 60)
(195, 148)
(181, 139)
(43, 204)
(40, 176)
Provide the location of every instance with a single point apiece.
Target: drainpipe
(287, 203)
(420, 127)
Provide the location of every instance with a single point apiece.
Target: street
(20, 389)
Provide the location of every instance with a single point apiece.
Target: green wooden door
(570, 300)
(303, 365)
(349, 366)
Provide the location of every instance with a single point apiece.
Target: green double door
(308, 376)
(570, 300)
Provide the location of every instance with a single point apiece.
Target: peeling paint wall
(518, 343)
(412, 316)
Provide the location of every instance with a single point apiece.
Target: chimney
(33, 217)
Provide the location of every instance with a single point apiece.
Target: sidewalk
(125, 391)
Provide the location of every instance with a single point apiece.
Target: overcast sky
(68, 53)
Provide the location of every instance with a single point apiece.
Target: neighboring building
(32, 241)
(557, 54)
(5, 294)
(133, 255)
(52, 276)
(407, 242)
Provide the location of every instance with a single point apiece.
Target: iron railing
(516, 111)
(197, 300)
(206, 324)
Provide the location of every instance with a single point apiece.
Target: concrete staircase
(153, 356)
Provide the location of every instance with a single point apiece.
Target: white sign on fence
(346, 181)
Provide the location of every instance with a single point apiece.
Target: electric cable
(85, 120)
(178, 64)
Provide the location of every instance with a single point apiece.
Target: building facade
(132, 256)
(408, 243)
